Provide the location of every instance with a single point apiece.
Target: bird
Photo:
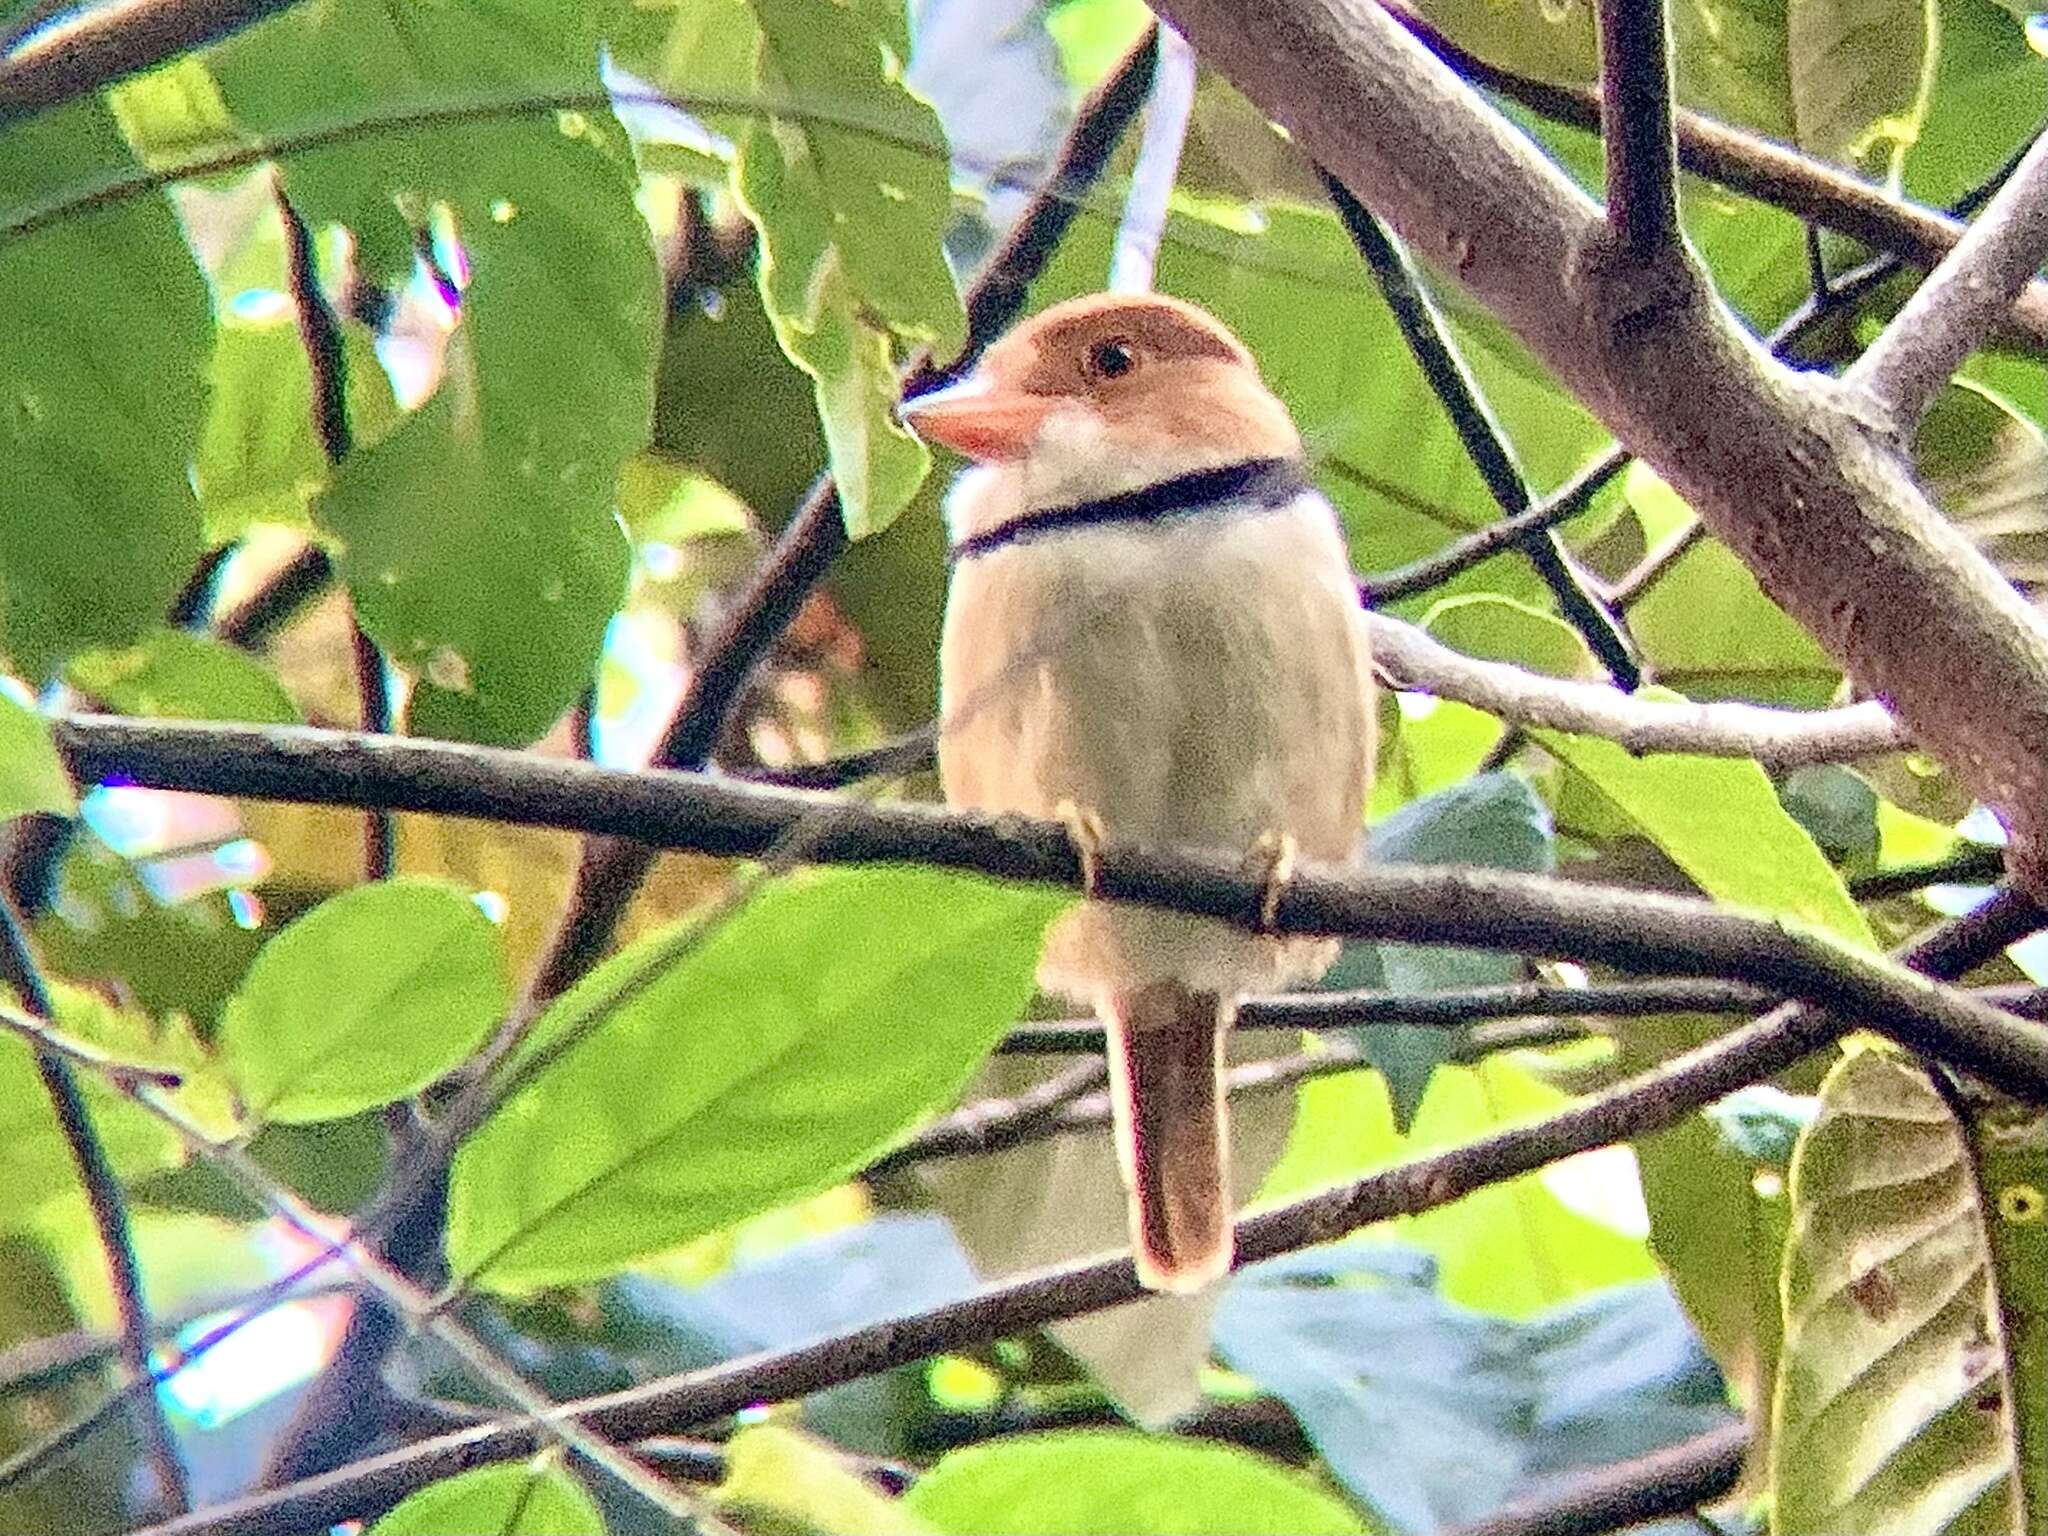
(1153, 634)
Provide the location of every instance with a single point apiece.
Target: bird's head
(1107, 393)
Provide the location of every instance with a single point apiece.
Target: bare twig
(1963, 300)
(109, 1208)
(989, 1125)
(1754, 166)
(1779, 737)
(1972, 864)
(1159, 146)
(1667, 1482)
(1566, 502)
(1485, 444)
(1636, 125)
(302, 578)
(1450, 1009)
(420, 1310)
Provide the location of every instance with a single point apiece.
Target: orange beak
(976, 418)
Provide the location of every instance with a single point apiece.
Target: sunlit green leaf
(723, 1073)
(481, 544)
(98, 525)
(1110, 1483)
(179, 676)
(801, 1482)
(39, 1161)
(32, 776)
(1510, 1249)
(851, 215)
(1987, 465)
(531, 1500)
(368, 997)
(1720, 821)
(1894, 1406)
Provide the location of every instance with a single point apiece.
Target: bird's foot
(1272, 860)
(1085, 832)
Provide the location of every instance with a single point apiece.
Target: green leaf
(1894, 1405)
(1510, 1249)
(180, 676)
(1718, 1221)
(1860, 75)
(1987, 101)
(32, 775)
(730, 1070)
(39, 1163)
(1843, 79)
(104, 329)
(2011, 1146)
(372, 995)
(482, 547)
(1117, 1483)
(1710, 631)
(478, 586)
(1434, 1416)
(851, 222)
(1493, 820)
(532, 1500)
(1987, 465)
(797, 1480)
(1720, 821)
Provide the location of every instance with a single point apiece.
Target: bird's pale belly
(1200, 682)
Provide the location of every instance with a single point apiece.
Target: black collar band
(1266, 482)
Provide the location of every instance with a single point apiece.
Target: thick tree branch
(106, 43)
(1806, 489)
(1484, 442)
(1965, 298)
(1756, 167)
(1631, 930)
(1636, 125)
(109, 1207)
(1778, 737)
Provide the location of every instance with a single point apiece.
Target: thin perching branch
(1631, 930)
(1636, 125)
(1152, 178)
(1485, 444)
(1963, 300)
(109, 1209)
(1780, 738)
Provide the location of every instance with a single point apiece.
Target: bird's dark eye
(1111, 359)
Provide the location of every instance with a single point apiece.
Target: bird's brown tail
(1166, 1067)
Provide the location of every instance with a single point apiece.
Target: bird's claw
(1085, 832)
(1272, 859)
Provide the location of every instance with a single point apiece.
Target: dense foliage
(455, 368)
